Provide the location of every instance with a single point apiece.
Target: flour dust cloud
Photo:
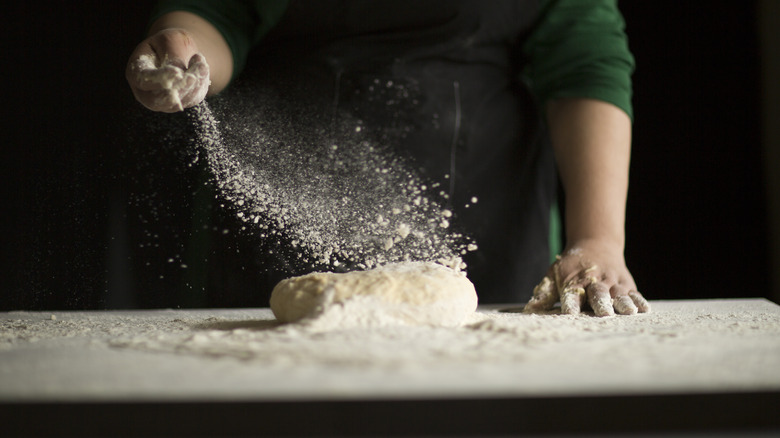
(339, 200)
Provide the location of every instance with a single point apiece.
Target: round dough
(414, 293)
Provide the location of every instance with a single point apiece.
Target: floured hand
(593, 274)
(167, 73)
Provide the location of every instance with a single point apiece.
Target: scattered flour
(681, 334)
(719, 345)
(341, 204)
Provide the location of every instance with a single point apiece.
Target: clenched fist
(167, 73)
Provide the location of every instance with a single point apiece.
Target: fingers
(571, 293)
(620, 300)
(162, 86)
(595, 277)
(639, 301)
(153, 80)
(572, 297)
(624, 305)
(544, 298)
(599, 299)
(198, 65)
(150, 73)
(196, 82)
(166, 72)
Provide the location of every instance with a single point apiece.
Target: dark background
(76, 182)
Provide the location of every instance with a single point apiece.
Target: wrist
(595, 244)
(605, 226)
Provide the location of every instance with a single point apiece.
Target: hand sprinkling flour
(340, 202)
(170, 85)
(367, 94)
(167, 72)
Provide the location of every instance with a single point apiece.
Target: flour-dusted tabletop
(687, 365)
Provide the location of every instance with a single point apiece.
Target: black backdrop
(696, 213)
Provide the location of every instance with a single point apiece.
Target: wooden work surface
(688, 365)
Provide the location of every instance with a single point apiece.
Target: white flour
(346, 204)
(678, 341)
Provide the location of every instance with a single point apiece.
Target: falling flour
(340, 202)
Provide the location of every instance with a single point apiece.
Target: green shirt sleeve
(241, 23)
(578, 48)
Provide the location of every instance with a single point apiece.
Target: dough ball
(409, 293)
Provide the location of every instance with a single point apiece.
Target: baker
(502, 99)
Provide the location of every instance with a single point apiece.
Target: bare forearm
(208, 41)
(592, 144)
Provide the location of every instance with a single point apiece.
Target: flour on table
(716, 345)
(409, 293)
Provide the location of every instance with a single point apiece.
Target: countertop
(686, 366)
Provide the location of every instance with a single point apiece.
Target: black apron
(440, 82)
